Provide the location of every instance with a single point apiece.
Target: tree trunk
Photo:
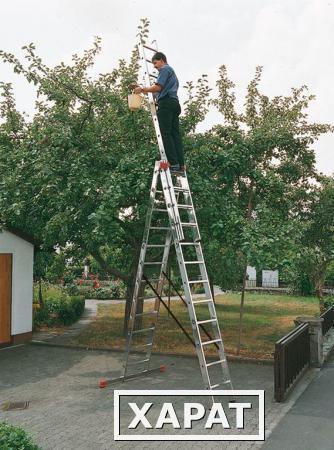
(242, 301)
(319, 282)
(212, 289)
(319, 286)
(129, 280)
(40, 293)
(105, 266)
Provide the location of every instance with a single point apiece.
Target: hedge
(59, 308)
(13, 437)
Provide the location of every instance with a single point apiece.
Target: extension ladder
(171, 221)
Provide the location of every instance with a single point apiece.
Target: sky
(292, 40)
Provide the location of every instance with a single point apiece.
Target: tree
(79, 172)
(317, 242)
(260, 164)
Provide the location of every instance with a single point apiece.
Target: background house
(270, 279)
(16, 288)
(251, 277)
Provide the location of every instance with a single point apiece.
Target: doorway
(5, 297)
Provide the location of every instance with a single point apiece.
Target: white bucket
(134, 101)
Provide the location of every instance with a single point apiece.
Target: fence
(328, 322)
(292, 358)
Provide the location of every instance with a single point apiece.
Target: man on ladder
(171, 221)
(165, 92)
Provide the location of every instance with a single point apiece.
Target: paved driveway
(68, 411)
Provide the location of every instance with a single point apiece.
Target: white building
(16, 288)
(270, 279)
(251, 277)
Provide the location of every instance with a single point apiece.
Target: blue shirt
(168, 82)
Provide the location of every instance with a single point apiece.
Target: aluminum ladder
(171, 220)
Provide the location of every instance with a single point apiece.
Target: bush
(328, 302)
(15, 438)
(59, 308)
(105, 292)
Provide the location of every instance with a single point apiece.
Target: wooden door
(5, 297)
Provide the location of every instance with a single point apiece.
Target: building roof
(20, 234)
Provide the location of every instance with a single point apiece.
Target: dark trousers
(168, 115)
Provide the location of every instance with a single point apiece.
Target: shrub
(106, 292)
(59, 308)
(198, 289)
(328, 302)
(13, 437)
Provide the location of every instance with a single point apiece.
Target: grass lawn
(266, 319)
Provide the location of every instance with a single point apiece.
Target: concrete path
(63, 336)
(309, 424)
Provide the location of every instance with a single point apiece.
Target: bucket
(134, 101)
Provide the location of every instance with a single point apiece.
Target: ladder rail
(185, 304)
(140, 269)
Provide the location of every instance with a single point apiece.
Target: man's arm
(154, 88)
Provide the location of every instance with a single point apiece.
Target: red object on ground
(162, 368)
(102, 383)
(164, 165)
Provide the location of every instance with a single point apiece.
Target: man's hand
(138, 90)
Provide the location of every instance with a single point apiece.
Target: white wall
(270, 278)
(22, 280)
(251, 272)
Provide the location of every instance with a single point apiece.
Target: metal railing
(328, 321)
(292, 358)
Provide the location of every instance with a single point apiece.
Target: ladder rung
(156, 245)
(159, 228)
(160, 210)
(136, 347)
(189, 224)
(151, 280)
(193, 262)
(206, 321)
(150, 48)
(214, 386)
(185, 207)
(152, 263)
(197, 281)
(134, 375)
(189, 243)
(207, 300)
(149, 313)
(211, 342)
(179, 189)
(215, 362)
(143, 330)
(137, 362)
(152, 75)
